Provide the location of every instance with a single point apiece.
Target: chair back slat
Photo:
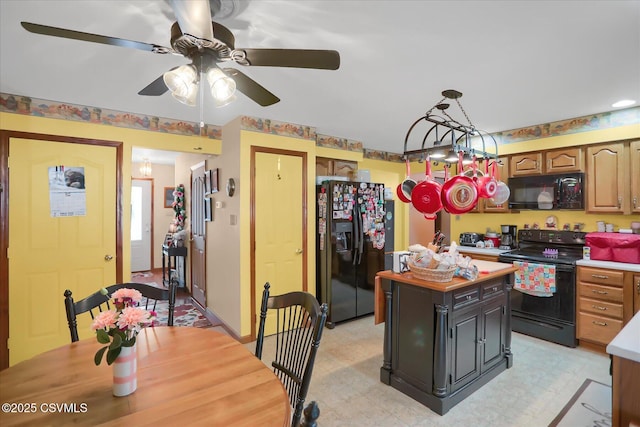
(97, 302)
(300, 320)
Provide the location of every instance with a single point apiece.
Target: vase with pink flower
(118, 328)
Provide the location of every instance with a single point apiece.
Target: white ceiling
(518, 63)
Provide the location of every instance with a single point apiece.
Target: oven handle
(559, 267)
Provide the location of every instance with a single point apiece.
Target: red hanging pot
(487, 184)
(405, 188)
(426, 194)
(459, 194)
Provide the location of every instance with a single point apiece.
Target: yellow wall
(129, 138)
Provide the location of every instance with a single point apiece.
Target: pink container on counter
(615, 247)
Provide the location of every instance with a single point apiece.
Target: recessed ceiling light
(623, 103)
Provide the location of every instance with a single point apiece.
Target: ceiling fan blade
(194, 17)
(251, 88)
(155, 88)
(94, 38)
(298, 58)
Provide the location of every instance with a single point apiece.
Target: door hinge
(451, 333)
(450, 378)
(504, 309)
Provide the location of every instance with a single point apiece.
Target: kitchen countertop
(627, 343)
(609, 264)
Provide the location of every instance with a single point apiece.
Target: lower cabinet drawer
(598, 329)
(601, 308)
(463, 297)
(608, 293)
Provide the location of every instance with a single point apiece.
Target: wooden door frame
(252, 204)
(5, 137)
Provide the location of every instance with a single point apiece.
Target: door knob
(298, 251)
(108, 257)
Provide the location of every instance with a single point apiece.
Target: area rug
(141, 274)
(589, 406)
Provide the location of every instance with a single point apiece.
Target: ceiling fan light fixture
(224, 102)
(190, 99)
(222, 86)
(181, 81)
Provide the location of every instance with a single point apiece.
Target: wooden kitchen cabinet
(606, 179)
(604, 304)
(526, 164)
(546, 162)
(635, 175)
(564, 160)
(636, 293)
(334, 167)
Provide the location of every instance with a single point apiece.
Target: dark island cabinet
(477, 339)
(444, 341)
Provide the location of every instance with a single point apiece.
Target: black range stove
(553, 317)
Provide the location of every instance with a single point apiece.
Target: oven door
(559, 307)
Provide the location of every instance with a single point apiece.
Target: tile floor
(347, 388)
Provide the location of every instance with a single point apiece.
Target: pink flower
(126, 295)
(105, 320)
(133, 318)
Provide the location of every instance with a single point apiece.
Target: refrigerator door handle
(360, 239)
(356, 235)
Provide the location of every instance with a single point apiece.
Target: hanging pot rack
(461, 136)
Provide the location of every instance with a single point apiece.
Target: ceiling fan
(205, 44)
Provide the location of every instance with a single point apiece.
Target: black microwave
(546, 192)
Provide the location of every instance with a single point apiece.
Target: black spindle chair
(299, 324)
(97, 302)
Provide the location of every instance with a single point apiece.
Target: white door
(141, 225)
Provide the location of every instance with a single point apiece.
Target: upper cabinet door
(526, 164)
(606, 183)
(635, 176)
(565, 160)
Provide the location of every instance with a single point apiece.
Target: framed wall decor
(214, 180)
(208, 213)
(168, 196)
(207, 182)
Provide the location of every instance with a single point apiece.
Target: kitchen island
(443, 341)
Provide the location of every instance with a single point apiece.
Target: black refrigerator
(354, 230)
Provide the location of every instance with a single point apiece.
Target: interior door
(279, 202)
(48, 253)
(141, 224)
(198, 236)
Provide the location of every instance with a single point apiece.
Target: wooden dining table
(186, 376)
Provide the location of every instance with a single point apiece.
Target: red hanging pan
(426, 194)
(459, 194)
(405, 188)
(487, 184)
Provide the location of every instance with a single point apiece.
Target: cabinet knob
(108, 257)
(597, 307)
(619, 202)
(595, 322)
(595, 291)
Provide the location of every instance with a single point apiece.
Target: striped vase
(125, 372)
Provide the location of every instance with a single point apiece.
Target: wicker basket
(431, 274)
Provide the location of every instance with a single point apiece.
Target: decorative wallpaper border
(80, 113)
(600, 121)
(56, 110)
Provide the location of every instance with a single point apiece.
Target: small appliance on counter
(491, 240)
(470, 239)
(509, 235)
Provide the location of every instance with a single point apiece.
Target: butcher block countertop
(488, 270)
